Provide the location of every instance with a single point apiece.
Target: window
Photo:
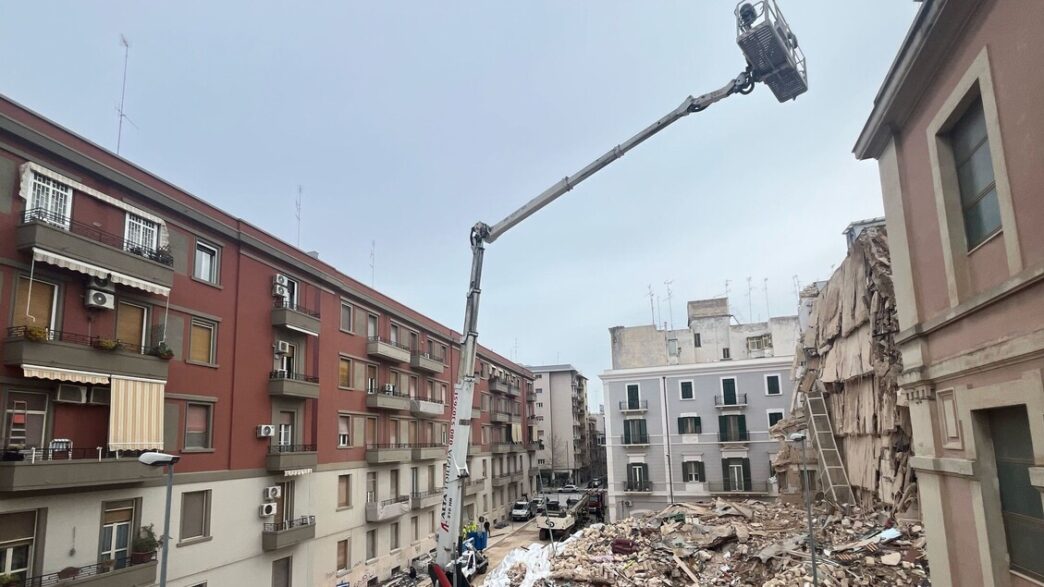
(686, 390)
(201, 342)
(414, 345)
(414, 528)
(772, 385)
(197, 426)
(672, 347)
(394, 334)
(343, 555)
(393, 540)
(371, 326)
(371, 544)
(130, 324)
(346, 317)
(371, 488)
(286, 428)
(725, 355)
(635, 432)
(25, 419)
(288, 360)
(117, 521)
(540, 390)
(344, 491)
(728, 392)
(638, 477)
(431, 521)
(34, 303)
(141, 234)
(975, 179)
(50, 201)
(732, 428)
(282, 571)
(344, 431)
(759, 343)
(1020, 506)
(195, 515)
(774, 416)
(696, 341)
(689, 425)
(344, 373)
(692, 471)
(206, 266)
(540, 461)
(292, 289)
(540, 404)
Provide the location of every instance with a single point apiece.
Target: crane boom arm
(481, 233)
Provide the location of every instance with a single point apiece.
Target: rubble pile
(734, 543)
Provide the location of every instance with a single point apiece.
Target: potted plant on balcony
(163, 351)
(106, 565)
(9, 580)
(144, 546)
(106, 344)
(69, 573)
(35, 333)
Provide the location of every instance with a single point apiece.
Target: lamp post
(159, 459)
(800, 437)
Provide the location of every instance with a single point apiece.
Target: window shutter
(681, 426)
(746, 474)
(723, 427)
(627, 432)
(645, 474)
(727, 485)
(699, 471)
(699, 426)
(742, 427)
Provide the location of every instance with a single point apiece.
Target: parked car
(568, 489)
(595, 483)
(522, 511)
(537, 505)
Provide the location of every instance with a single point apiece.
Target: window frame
(55, 296)
(347, 542)
(346, 502)
(699, 465)
(779, 385)
(350, 433)
(145, 319)
(351, 317)
(768, 415)
(975, 107)
(726, 354)
(144, 223)
(209, 406)
(213, 327)
(681, 390)
(351, 372)
(207, 503)
(35, 178)
(215, 262)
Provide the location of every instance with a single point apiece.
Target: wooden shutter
(746, 474)
(344, 373)
(358, 431)
(130, 324)
(742, 426)
(725, 478)
(627, 431)
(681, 425)
(41, 304)
(699, 426)
(700, 475)
(723, 427)
(201, 343)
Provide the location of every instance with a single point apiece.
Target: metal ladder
(16, 434)
(834, 475)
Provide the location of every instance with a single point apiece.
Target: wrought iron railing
(389, 445)
(726, 436)
(281, 448)
(635, 438)
(282, 303)
(297, 522)
(739, 400)
(91, 232)
(282, 374)
(386, 341)
(58, 453)
(423, 494)
(389, 501)
(430, 356)
(638, 486)
(36, 334)
(70, 574)
(634, 405)
(380, 390)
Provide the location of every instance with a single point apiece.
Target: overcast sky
(407, 122)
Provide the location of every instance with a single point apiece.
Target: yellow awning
(65, 375)
(96, 271)
(136, 414)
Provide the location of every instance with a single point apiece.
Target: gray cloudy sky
(406, 122)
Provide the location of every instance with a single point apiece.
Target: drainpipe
(667, 439)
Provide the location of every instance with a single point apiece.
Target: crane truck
(773, 58)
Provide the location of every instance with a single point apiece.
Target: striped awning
(70, 375)
(296, 472)
(99, 272)
(136, 414)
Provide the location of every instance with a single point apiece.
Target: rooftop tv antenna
(652, 308)
(768, 312)
(670, 310)
(123, 93)
(750, 305)
(297, 212)
(373, 262)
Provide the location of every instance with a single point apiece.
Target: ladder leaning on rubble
(835, 478)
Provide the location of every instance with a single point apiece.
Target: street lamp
(800, 437)
(159, 459)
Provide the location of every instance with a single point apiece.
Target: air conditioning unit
(389, 388)
(282, 347)
(100, 299)
(280, 279)
(101, 284)
(273, 492)
(267, 509)
(72, 394)
(265, 431)
(280, 291)
(99, 396)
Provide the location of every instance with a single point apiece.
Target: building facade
(559, 423)
(310, 412)
(957, 130)
(692, 422)
(596, 442)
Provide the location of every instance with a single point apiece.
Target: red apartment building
(309, 411)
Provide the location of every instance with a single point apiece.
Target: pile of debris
(727, 543)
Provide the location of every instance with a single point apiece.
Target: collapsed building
(847, 362)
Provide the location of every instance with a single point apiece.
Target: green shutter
(723, 426)
(699, 471)
(699, 426)
(681, 425)
(726, 485)
(742, 427)
(627, 432)
(746, 474)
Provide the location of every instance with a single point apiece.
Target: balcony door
(116, 533)
(285, 502)
(371, 431)
(728, 392)
(17, 537)
(141, 234)
(288, 362)
(638, 476)
(635, 432)
(414, 480)
(286, 428)
(130, 324)
(371, 378)
(50, 201)
(392, 428)
(413, 432)
(371, 486)
(34, 303)
(633, 400)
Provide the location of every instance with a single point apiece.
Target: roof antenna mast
(297, 212)
(123, 92)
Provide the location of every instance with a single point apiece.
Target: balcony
(387, 398)
(377, 454)
(513, 389)
(286, 533)
(535, 446)
(293, 385)
(476, 414)
(290, 457)
(501, 447)
(733, 436)
(84, 243)
(389, 509)
(504, 418)
(286, 314)
(423, 408)
(637, 486)
(473, 486)
(428, 452)
(641, 440)
(498, 385)
(65, 350)
(75, 467)
(755, 488)
(501, 480)
(425, 499)
(104, 574)
(627, 406)
(426, 362)
(387, 350)
(739, 401)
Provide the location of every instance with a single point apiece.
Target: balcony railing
(635, 439)
(393, 391)
(281, 303)
(389, 501)
(276, 449)
(638, 486)
(98, 342)
(91, 232)
(69, 576)
(398, 345)
(288, 524)
(634, 405)
(726, 436)
(739, 400)
(280, 374)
